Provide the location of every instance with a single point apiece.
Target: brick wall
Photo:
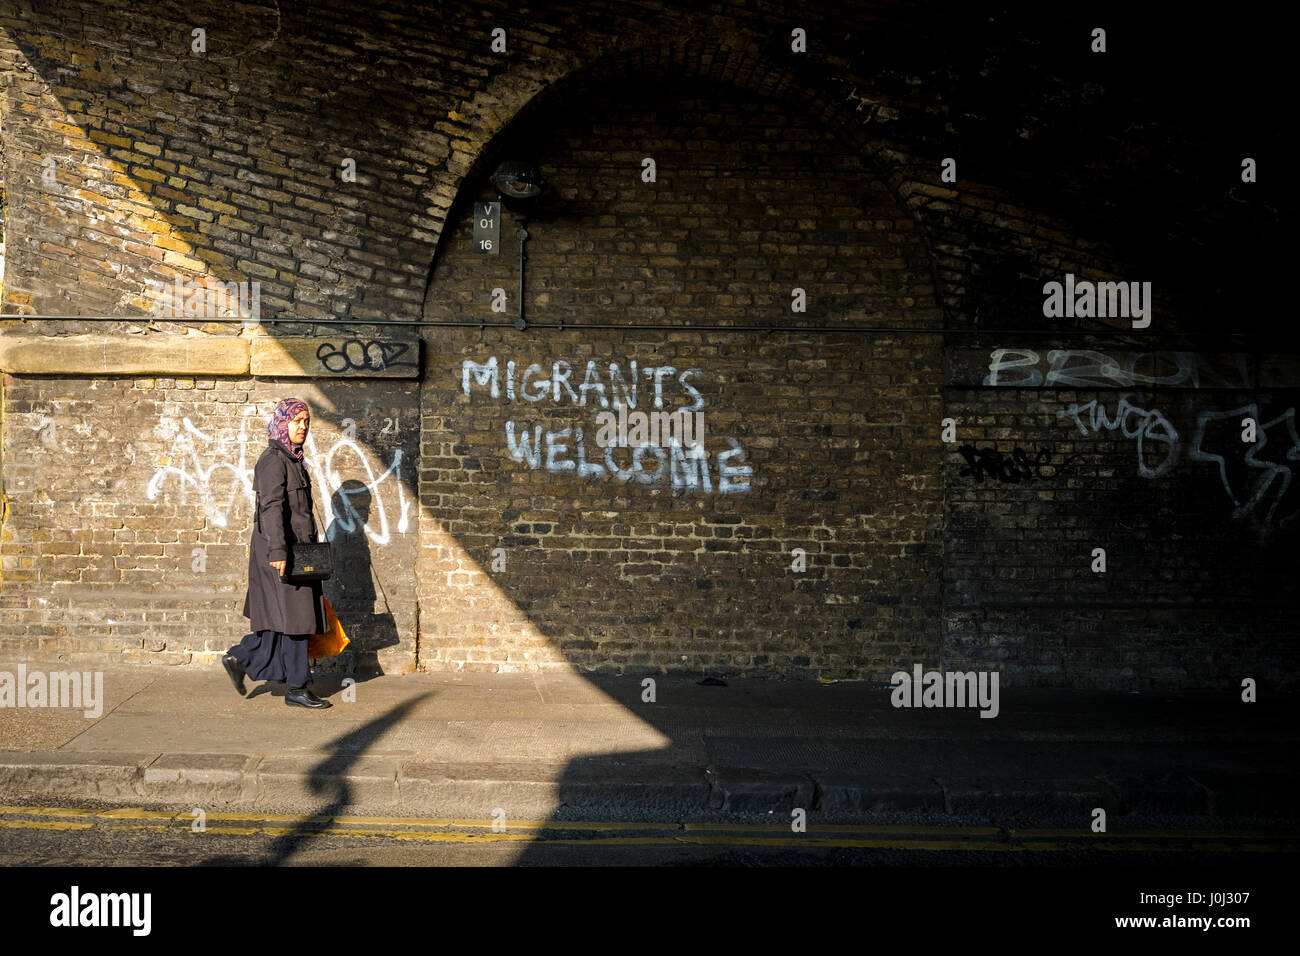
(131, 502)
(1142, 457)
(170, 162)
(774, 171)
(643, 567)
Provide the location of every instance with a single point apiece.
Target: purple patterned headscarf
(278, 427)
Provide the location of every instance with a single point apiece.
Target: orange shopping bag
(333, 641)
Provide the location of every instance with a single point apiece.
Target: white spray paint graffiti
(1277, 476)
(1133, 422)
(1257, 497)
(565, 450)
(1082, 368)
(200, 459)
(352, 520)
(189, 449)
(1256, 477)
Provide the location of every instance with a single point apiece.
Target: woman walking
(282, 615)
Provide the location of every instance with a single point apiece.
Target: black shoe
(305, 698)
(236, 673)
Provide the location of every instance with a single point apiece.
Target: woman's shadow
(354, 590)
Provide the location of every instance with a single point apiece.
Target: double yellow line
(590, 833)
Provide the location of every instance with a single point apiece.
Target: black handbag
(308, 560)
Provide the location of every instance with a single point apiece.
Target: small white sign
(487, 228)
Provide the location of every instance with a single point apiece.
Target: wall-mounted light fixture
(517, 181)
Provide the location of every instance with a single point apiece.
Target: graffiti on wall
(1256, 477)
(1157, 439)
(1012, 468)
(1083, 368)
(566, 450)
(215, 472)
(355, 355)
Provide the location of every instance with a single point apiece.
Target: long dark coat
(272, 604)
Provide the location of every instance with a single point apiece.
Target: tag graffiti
(1256, 477)
(1011, 468)
(1085, 368)
(218, 472)
(1154, 432)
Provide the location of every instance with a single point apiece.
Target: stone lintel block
(95, 354)
(346, 355)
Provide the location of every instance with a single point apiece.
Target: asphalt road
(89, 834)
(725, 876)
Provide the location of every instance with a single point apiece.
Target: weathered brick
(910, 554)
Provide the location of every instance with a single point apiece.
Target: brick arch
(841, 416)
(739, 61)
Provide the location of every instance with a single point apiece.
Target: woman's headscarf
(278, 427)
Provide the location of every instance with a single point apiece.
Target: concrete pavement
(465, 745)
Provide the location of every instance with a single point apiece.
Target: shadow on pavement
(328, 778)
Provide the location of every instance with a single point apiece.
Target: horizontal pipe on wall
(638, 326)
